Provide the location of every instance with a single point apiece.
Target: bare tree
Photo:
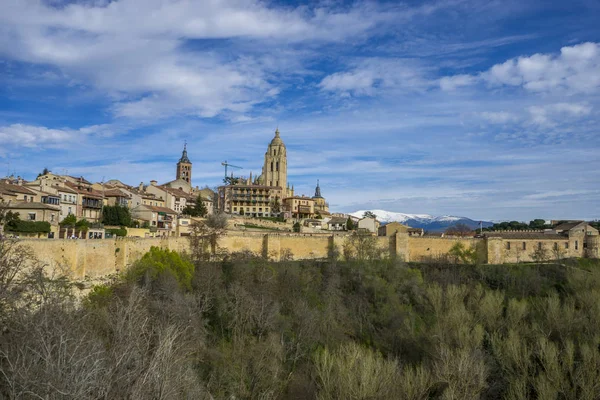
(459, 229)
(205, 235)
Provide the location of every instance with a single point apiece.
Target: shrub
(28, 226)
(122, 231)
(158, 262)
(100, 296)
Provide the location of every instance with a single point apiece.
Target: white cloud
(498, 117)
(550, 115)
(366, 76)
(450, 83)
(33, 136)
(576, 69)
(141, 52)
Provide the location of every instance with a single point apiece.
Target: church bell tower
(274, 172)
(184, 166)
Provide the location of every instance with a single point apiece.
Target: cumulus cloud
(576, 69)
(143, 53)
(31, 136)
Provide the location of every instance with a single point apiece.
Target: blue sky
(485, 109)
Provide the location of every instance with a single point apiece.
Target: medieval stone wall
(101, 257)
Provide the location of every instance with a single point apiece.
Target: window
(277, 166)
(539, 245)
(576, 245)
(153, 223)
(52, 218)
(31, 216)
(524, 246)
(507, 245)
(566, 245)
(555, 246)
(271, 166)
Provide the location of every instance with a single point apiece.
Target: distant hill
(425, 221)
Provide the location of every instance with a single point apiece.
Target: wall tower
(184, 167)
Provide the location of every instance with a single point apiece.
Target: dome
(277, 140)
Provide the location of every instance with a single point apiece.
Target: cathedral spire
(318, 190)
(184, 157)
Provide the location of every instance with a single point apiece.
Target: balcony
(91, 203)
(51, 200)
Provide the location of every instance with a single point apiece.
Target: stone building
(265, 195)
(572, 239)
(299, 207)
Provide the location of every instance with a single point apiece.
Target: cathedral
(270, 194)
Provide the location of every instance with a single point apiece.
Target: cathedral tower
(274, 172)
(184, 167)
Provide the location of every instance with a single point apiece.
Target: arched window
(277, 166)
(271, 166)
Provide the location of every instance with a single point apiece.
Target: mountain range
(425, 221)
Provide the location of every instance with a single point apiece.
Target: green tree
(538, 224)
(350, 224)
(296, 227)
(116, 215)
(7, 217)
(83, 225)
(44, 172)
(369, 214)
(69, 221)
(197, 210)
(158, 262)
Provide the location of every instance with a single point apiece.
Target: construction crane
(226, 164)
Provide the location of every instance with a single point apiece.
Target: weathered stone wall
(421, 248)
(552, 249)
(96, 258)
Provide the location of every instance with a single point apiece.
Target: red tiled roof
(84, 191)
(11, 188)
(159, 209)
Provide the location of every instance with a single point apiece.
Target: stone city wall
(101, 257)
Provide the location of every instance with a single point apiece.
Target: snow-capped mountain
(425, 221)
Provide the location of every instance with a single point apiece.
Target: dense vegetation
(116, 215)
(248, 328)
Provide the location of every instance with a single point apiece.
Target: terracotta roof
(114, 193)
(66, 189)
(32, 206)
(80, 179)
(567, 226)
(11, 188)
(84, 191)
(177, 192)
(338, 220)
(159, 209)
(299, 198)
